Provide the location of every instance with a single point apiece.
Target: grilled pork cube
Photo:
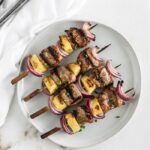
(114, 99)
(65, 96)
(104, 76)
(75, 68)
(95, 62)
(55, 77)
(48, 58)
(104, 102)
(75, 92)
(65, 75)
(65, 44)
(55, 52)
(78, 36)
(82, 116)
(84, 62)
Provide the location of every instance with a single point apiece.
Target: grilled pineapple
(58, 103)
(75, 68)
(37, 65)
(65, 44)
(50, 84)
(96, 108)
(72, 123)
(88, 84)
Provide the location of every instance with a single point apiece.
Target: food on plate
(51, 56)
(94, 108)
(61, 76)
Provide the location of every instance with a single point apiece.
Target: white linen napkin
(14, 36)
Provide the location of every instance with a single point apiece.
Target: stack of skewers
(86, 84)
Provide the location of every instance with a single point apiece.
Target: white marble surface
(129, 17)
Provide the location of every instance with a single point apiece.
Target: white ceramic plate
(120, 52)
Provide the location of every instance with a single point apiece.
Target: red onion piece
(52, 107)
(62, 52)
(64, 125)
(113, 72)
(88, 33)
(121, 93)
(94, 52)
(30, 68)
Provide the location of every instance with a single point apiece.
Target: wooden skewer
(54, 130)
(117, 66)
(93, 26)
(19, 77)
(103, 48)
(129, 90)
(31, 95)
(39, 112)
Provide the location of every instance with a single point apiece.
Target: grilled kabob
(66, 97)
(97, 78)
(51, 56)
(58, 78)
(61, 74)
(95, 107)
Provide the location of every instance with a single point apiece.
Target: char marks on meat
(75, 92)
(78, 36)
(66, 97)
(48, 57)
(65, 75)
(84, 62)
(82, 116)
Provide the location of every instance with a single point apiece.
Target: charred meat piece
(55, 52)
(78, 36)
(48, 57)
(114, 99)
(84, 62)
(95, 62)
(82, 116)
(65, 75)
(65, 96)
(55, 78)
(105, 77)
(104, 102)
(75, 92)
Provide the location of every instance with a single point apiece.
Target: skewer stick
(39, 112)
(31, 95)
(54, 130)
(19, 77)
(129, 90)
(117, 66)
(103, 48)
(93, 26)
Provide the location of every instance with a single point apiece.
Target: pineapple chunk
(65, 44)
(75, 68)
(50, 84)
(58, 103)
(96, 108)
(37, 65)
(72, 123)
(88, 84)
